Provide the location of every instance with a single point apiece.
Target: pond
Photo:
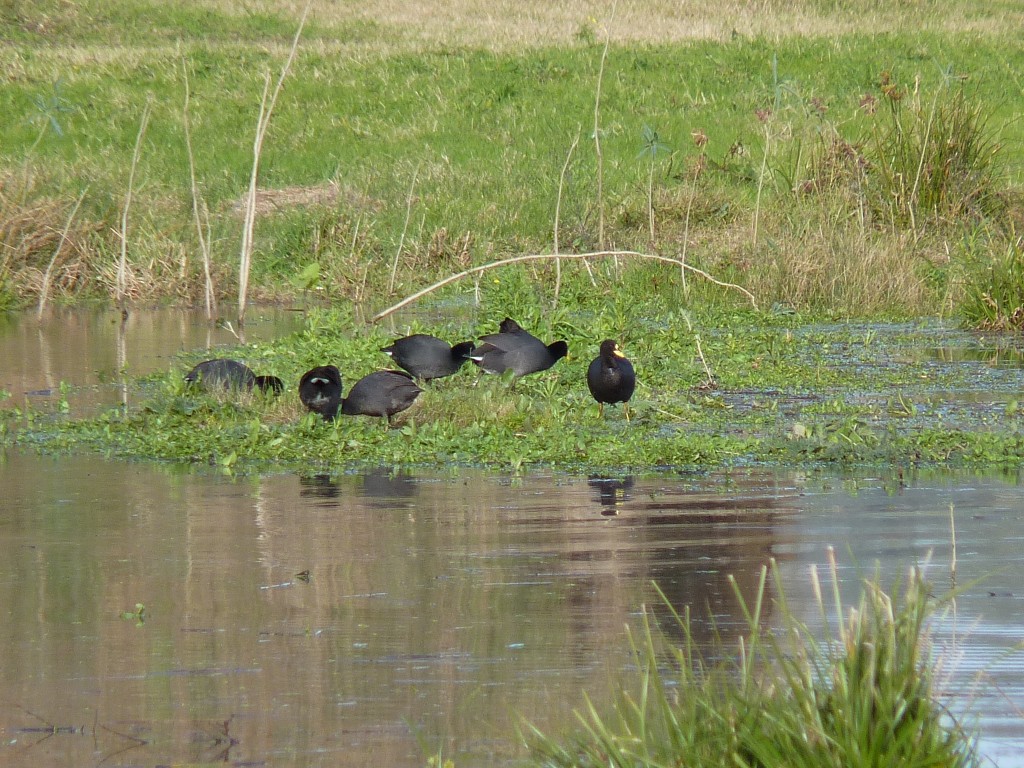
(392, 615)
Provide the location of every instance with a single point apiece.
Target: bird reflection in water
(611, 492)
(318, 487)
(384, 487)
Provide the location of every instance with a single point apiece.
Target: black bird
(382, 393)
(515, 349)
(270, 384)
(611, 378)
(222, 373)
(320, 390)
(510, 334)
(428, 357)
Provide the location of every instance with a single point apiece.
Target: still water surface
(380, 617)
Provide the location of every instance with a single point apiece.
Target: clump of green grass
(931, 157)
(994, 291)
(865, 694)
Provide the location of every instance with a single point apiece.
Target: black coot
(382, 393)
(515, 349)
(428, 357)
(611, 378)
(320, 390)
(222, 373)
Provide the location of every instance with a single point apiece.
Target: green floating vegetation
(862, 692)
(712, 391)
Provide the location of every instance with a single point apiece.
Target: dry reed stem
(199, 211)
(547, 256)
(44, 290)
(266, 110)
(558, 215)
(122, 265)
(760, 180)
(697, 166)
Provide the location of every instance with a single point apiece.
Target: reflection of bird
(428, 357)
(514, 349)
(387, 486)
(611, 492)
(611, 378)
(318, 486)
(222, 373)
(320, 390)
(382, 393)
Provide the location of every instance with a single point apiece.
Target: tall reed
(266, 110)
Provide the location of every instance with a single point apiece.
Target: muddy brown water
(383, 617)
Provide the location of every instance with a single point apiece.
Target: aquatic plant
(931, 159)
(861, 692)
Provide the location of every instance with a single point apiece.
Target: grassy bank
(813, 155)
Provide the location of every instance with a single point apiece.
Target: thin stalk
(558, 214)
(709, 381)
(760, 179)
(476, 271)
(650, 199)
(405, 227)
(352, 259)
(926, 140)
(266, 110)
(249, 221)
(48, 275)
(686, 226)
(122, 264)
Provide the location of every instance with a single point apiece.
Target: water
(95, 354)
(383, 617)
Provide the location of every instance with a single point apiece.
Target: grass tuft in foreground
(863, 695)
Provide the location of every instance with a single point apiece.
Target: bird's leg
(625, 410)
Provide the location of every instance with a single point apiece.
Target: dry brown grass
(327, 195)
(836, 265)
(31, 227)
(505, 24)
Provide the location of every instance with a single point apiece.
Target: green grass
(864, 694)
(994, 295)
(485, 134)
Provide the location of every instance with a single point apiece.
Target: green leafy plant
(138, 615)
(651, 146)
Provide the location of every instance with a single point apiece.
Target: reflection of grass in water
(863, 696)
